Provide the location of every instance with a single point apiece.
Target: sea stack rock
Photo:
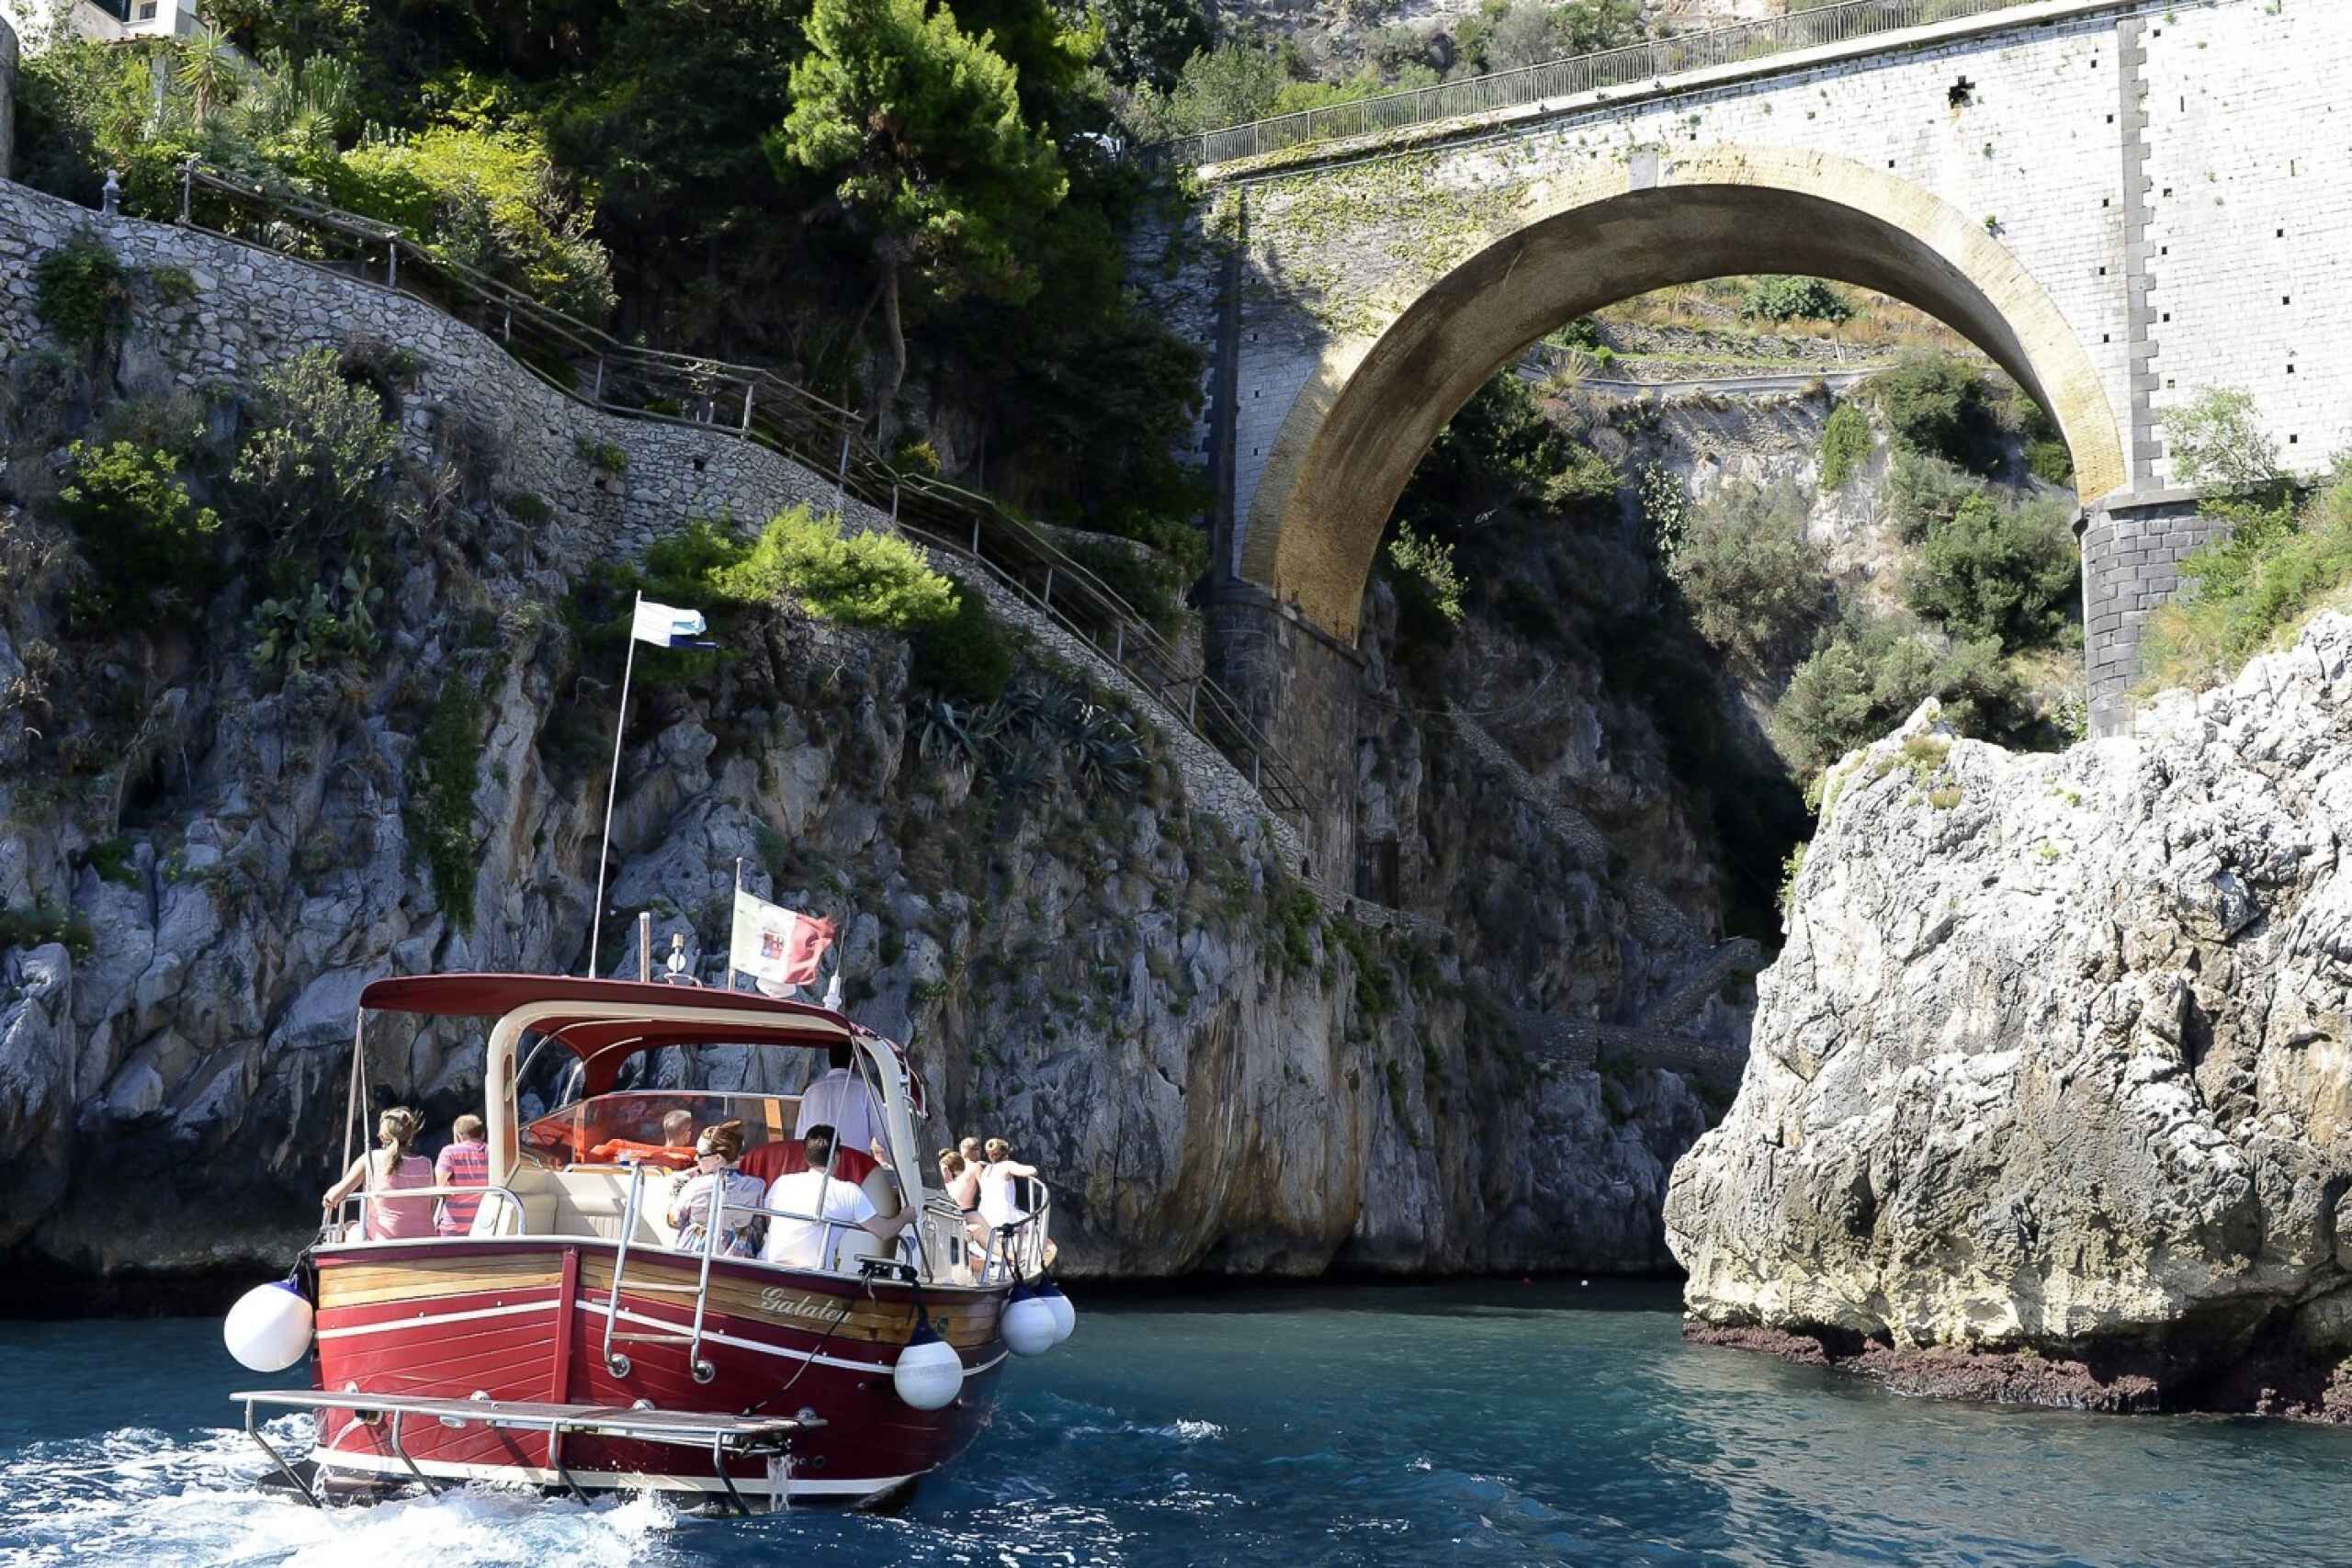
(2051, 1092)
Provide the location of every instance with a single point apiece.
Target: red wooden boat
(568, 1340)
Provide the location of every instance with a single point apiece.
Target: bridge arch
(1579, 241)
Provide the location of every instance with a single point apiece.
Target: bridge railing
(1633, 65)
(756, 405)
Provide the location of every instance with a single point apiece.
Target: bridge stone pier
(2122, 203)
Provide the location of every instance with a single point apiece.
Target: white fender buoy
(1065, 1315)
(1028, 1324)
(269, 1328)
(929, 1374)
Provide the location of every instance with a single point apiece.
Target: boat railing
(349, 1222)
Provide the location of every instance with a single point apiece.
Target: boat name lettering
(772, 1299)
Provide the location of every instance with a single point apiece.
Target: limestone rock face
(2056, 1054)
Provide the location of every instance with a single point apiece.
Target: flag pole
(732, 917)
(604, 845)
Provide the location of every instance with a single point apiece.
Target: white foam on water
(138, 1493)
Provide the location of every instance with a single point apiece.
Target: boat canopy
(604, 1023)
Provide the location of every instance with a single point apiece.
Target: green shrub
(174, 285)
(2247, 589)
(2050, 460)
(2217, 442)
(1790, 869)
(1924, 492)
(1588, 479)
(1775, 297)
(2013, 574)
(685, 567)
(151, 548)
(334, 621)
(487, 199)
(919, 457)
(1868, 676)
(967, 657)
(442, 774)
(601, 455)
(1753, 582)
(1429, 563)
(81, 290)
(319, 465)
(530, 509)
(42, 924)
(1845, 446)
(866, 579)
(1941, 406)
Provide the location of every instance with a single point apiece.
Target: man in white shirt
(838, 1099)
(831, 1206)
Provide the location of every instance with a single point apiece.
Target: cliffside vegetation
(2288, 554)
(711, 175)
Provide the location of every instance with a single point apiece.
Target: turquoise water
(1423, 1424)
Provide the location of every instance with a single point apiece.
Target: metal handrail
(588, 365)
(330, 1231)
(620, 1265)
(1633, 65)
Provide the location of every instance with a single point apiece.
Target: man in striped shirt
(465, 1163)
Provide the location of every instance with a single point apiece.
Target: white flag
(666, 627)
(777, 946)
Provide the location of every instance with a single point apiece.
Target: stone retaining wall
(253, 307)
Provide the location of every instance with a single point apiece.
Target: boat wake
(136, 1494)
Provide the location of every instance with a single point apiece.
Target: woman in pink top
(390, 1168)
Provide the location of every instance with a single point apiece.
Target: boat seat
(496, 1216)
(591, 1200)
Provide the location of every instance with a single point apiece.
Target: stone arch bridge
(2121, 202)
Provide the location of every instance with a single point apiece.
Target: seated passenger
(676, 1149)
(390, 1168)
(838, 1099)
(715, 1179)
(823, 1207)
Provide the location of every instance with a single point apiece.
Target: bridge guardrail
(754, 403)
(1631, 65)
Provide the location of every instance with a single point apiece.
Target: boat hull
(525, 1320)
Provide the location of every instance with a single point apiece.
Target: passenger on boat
(678, 1129)
(715, 1153)
(999, 1207)
(970, 1149)
(464, 1163)
(838, 1099)
(390, 1168)
(960, 1180)
(824, 1206)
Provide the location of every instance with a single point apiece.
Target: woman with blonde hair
(390, 1168)
(713, 1188)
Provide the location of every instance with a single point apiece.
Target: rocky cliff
(2049, 1096)
(206, 851)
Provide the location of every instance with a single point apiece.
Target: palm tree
(208, 72)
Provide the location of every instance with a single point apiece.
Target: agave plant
(946, 735)
(1022, 771)
(1109, 752)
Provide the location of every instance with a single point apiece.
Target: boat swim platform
(723, 1435)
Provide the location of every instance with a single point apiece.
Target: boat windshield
(657, 1126)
